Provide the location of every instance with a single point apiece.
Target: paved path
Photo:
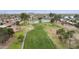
(22, 46)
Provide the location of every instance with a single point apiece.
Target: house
(9, 22)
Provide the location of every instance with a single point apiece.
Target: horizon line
(39, 11)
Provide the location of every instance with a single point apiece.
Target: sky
(39, 11)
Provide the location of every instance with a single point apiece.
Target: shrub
(17, 22)
(10, 31)
(64, 35)
(20, 38)
(5, 34)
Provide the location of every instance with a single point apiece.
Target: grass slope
(16, 44)
(38, 38)
(51, 28)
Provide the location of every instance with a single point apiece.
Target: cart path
(22, 46)
(25, 34)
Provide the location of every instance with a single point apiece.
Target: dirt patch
(52, 34)
(7, 44)
(75, 39)
(13, 39)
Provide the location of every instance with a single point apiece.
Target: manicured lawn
(37, 39)
(53, 25)
(16, 44)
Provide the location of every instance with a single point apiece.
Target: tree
(52, 20)
(20, 38)
(65, 36)
(62, 34)
(77, 25)
(73, 21)
(24, 17)
(60, 31)
(39, 19)
(1, 23)
(10, 31)
(57, 17)
(70, 35)
(5, 34)
(17, 22)
(51, 14)
(54, 17)
(76, 16)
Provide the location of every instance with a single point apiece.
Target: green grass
(37, 39)
(16, 44)
(55, 40)
(54, 25)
